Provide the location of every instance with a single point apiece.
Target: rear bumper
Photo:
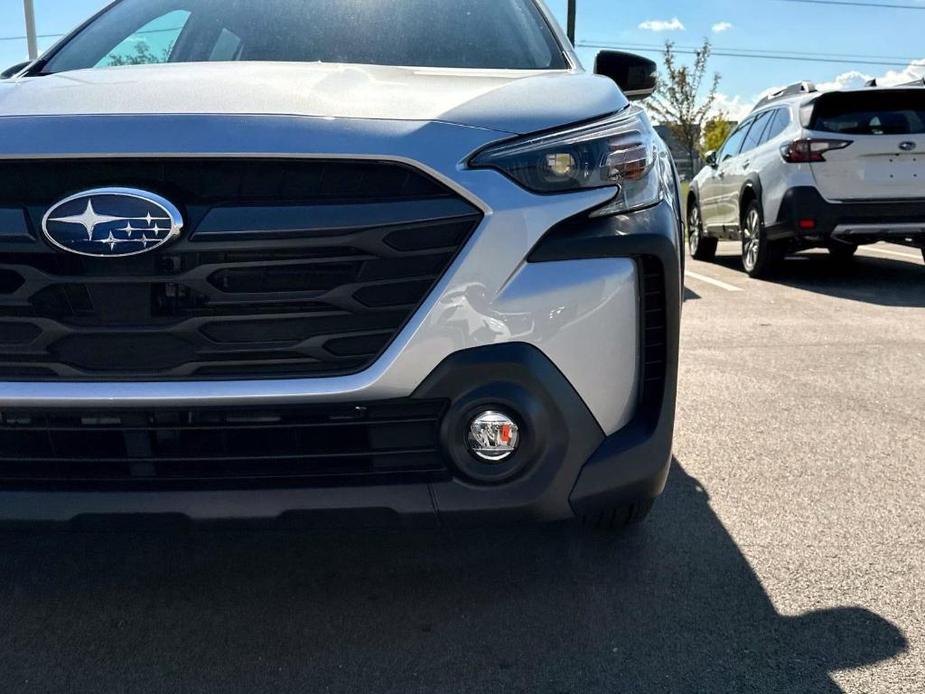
(566, 464)
(848, 222)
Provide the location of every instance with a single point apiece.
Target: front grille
(221, 448)
(285, 268)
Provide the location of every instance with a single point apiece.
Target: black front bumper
(849, 222)
(565, 465)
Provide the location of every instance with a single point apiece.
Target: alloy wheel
(693, 229)
(751, 241)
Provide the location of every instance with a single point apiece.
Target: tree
(715, 132)
(143, 56)
(683, 101)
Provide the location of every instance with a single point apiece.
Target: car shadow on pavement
(672, 606)
(882, 281)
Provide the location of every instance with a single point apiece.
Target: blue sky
(753, 24)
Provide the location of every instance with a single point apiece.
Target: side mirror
(710, 158)
(635, 75)
(14, 70)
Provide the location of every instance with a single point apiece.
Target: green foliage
(715, 132)
(143, 56)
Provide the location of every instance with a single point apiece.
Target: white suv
(810, 169)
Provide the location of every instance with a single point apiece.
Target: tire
(759, 255)
(701, 247)
(842, 251)
(618, 518)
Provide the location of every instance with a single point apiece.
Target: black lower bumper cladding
(633, 464)
(805, 203)
(251, 477)
(198, 449)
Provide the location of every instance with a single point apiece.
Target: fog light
(493, 436)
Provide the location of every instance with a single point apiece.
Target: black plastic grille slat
(315, 303)
(217, 181)
(221, 448)
(10, 281)
(655, 331)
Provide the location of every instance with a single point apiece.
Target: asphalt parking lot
(787, 555)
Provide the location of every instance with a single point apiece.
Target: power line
(751, 56)
(857, 3)
(23, 38)
(58, 36)
(762, 51)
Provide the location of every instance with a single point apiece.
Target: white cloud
(720, 27)
(913, 71)
(673, 24)
(733, 108)
(853, 79)
(737, 107)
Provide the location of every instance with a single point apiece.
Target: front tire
(758, 254)
(619, 518)
(843, 252)
(701, 247)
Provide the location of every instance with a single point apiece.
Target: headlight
(621, 152)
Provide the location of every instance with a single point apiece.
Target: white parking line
(715, 283)
(911, 256)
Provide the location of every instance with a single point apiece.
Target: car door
(710, 187)
(723, 199)
(707, 188)
(738, 168)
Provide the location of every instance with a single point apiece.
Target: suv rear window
(481, 34)
(899, 112)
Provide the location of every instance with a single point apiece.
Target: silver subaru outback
(297, 260)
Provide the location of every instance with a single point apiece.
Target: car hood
(509, 101)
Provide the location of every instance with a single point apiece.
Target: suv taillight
(810, 150)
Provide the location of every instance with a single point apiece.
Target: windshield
(483, 34)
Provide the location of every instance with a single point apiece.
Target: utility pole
(29, 9)
(571, 20)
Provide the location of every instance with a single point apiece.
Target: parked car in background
(809, 169)
(398, 259)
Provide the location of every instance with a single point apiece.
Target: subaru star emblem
(112, 222)
(907, 146)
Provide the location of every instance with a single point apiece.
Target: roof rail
(914, 83)
(790, 90)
